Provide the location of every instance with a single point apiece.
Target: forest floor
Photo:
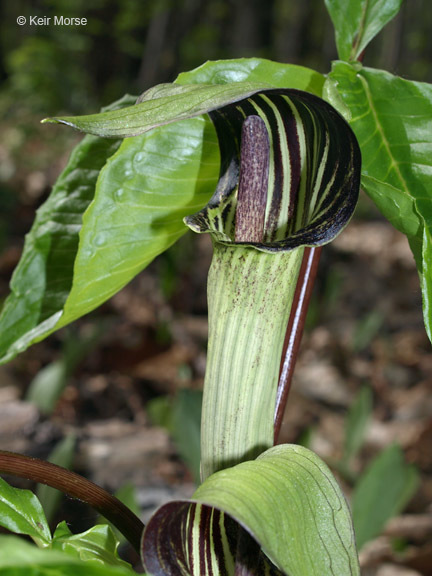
(364, 330)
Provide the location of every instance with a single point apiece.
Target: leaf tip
(51, 120)
(57, 120)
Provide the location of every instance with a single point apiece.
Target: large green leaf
(287, 500)
(161, 105)
(194, 93)
(20, 558)
(21, 512)
(43, 278)
(357, 22)
(392, 119)
(142, 195)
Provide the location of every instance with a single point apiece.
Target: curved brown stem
(294, 331)
(78, 487)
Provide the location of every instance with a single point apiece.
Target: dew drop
(128, 169)
(118, 194)
(100, 239)
(88, 253)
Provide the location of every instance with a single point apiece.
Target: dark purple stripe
(189, 537)
(217, 543)
(204, 541)
(275, 187)
(290, 126)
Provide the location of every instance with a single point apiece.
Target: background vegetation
(130, 45)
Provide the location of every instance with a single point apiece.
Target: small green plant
(267, 158)
(181, 416)
(372, 506)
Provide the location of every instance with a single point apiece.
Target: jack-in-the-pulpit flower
(289, 178)
(290, 174)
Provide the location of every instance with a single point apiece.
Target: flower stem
(78, 487)
(249, 295)
(294, 331)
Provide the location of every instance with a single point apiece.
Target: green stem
(359, 36)
(249, 295)
(78, 487)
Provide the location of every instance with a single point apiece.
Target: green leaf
(357, 22)
(260, 70)
(391, 118)
(194, 93)
(43, 278)
(186, 429)
(99, 543)
(366, 329)
(181, 416)
(382, 492)
(47, 386)
(160, 412)
(20, 558)
(161, 105)
(356, 422)
(287, 500)
(21, 512)
(142, 195)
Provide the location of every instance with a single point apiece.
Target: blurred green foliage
(181, 416)
(129, 45)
